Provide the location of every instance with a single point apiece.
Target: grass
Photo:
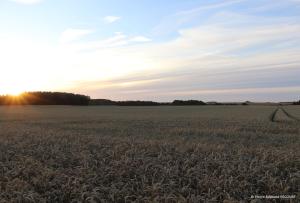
(147, 154)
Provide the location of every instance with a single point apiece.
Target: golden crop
(147, 154)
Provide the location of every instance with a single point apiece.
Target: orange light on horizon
(12, 91)
(15, 99)
(15, 94)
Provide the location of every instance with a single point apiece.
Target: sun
(14, 91)
(16, 94)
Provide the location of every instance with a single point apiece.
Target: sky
(217, 50)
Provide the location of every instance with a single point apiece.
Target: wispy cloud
(140, 39)
(118, 40)
(230, 55)
(71, 34)
(111, 19)
(27, 1)
(175, 21)
(222, 59)
(208, 7)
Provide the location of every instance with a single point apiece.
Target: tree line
(45, 98)
(145, 103)
(63, 98)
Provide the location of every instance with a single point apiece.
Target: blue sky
(152, 50)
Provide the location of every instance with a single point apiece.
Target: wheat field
(148, 154)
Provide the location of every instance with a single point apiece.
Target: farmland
(148, 154)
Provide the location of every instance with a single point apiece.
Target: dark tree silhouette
(123, 103)
(137, 103)
(45, 98)
(102, 102)
(143, 103)
(188, 102)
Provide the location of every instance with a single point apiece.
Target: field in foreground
(147, 154)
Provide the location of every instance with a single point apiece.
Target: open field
(148, 154)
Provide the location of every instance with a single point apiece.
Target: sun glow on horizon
(31, 65)
(15, 94)
(12, 91)
(189, 51)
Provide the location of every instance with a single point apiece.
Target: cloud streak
(230, 55)
(111, 19)
(215, 59)
(71, 34)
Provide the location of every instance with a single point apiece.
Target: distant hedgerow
(45, 98)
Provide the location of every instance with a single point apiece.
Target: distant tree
(137, 103)
(45, 98)
(126, 103)
(247, 102)
(297, 103)
(187, 102)
(102, 102)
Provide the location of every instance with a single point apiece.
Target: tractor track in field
(289, 115)
(273, 114)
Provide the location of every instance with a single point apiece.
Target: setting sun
(11, 90)
(14, 91)
(191, 50)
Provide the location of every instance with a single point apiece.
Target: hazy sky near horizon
(226, 50)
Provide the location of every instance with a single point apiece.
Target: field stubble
(147, 154)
